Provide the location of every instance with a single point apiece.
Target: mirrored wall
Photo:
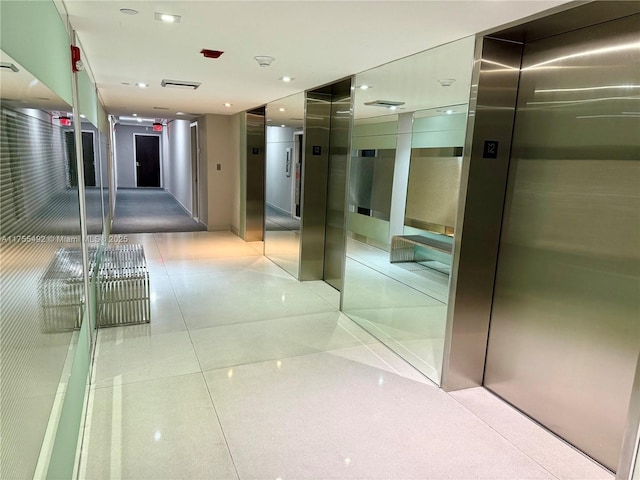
(406, 157)
(41, 307)
(283, 200)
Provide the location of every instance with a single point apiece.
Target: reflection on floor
(278, 220)
(150, 210)
(404, 307)
(33, 357)
(283, 248)
(64, 207)
(282, 239)
(246, 373)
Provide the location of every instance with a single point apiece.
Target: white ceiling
(316, 42)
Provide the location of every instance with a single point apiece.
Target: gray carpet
(275, 220)
(150, 210)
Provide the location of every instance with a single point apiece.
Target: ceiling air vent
(384, 104)
(180, 84)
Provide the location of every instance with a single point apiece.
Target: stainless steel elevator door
(565, 325)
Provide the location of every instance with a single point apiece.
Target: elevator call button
(317, 150)
(490, 149)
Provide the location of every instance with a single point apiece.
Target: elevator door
(565, 324)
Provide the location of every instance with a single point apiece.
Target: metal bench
(403, 247)
(122, 288)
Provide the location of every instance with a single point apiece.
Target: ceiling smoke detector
(264, 60)
(446, 82)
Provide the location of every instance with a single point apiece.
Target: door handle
(137, 164)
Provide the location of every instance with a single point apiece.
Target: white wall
(238, 148)
(125, 153)
(218, 146)
(278, 188)
(177, 164)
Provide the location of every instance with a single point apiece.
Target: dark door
(147, 160)
(88, 157)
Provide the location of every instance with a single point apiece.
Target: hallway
(246, 373)
(150, 210)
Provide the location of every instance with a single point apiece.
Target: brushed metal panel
(315, 171)
(629, 462)
(340, 142)
(434, 187)
(565, 326)
(255, 175)
(480, 205)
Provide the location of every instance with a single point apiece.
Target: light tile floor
(245, 373)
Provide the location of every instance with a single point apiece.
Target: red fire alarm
(211, 53)
(157, 127)
(76, 61)
(65, 121)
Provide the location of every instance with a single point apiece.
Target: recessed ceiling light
(287, 79)
(227, 104)
(283, 126)
(142, 84)
(281, 109)
(449, 112)
(392, 107)
(135, 114)
(139, 120)
(179, 113)
(128, 11)
(167, 17)
(365, 87)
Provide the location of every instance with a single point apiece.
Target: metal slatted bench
(123, 295)
(123, 286)
(403, 247)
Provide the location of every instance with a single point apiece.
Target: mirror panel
(40, 269)
(284, 141)
(408, 136)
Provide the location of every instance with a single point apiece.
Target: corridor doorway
(147, 160)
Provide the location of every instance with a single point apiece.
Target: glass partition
(407, 142)
(283, 204)
(41, 272)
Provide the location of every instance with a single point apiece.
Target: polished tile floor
(246, 373)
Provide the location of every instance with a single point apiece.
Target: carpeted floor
(150, 210)
(276, 220)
